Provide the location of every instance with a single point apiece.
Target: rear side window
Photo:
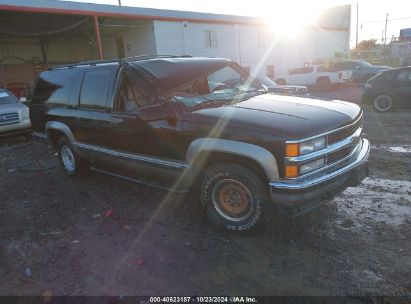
(404, 76)
(53, 87)
(304, 70)
(94, 89)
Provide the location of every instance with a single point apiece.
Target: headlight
(312, 145)
(305, 147)
(367, 86)
(25, 114)
(292, 171)
(311, 166)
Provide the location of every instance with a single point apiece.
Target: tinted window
(130, 98)
(341, 65)
(404, 76)
(304, 70)
(388, 75)
(53, 87)
(94, 89)
(5, 98)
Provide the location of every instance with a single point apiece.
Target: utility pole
(356, 35)
(385, 36)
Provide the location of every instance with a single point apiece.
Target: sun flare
(289, 21)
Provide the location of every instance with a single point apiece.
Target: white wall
(189, 38)
(140, 40)
(251, 46)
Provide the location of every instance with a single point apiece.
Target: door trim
(159, 162)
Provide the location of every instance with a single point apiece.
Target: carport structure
(36, 34)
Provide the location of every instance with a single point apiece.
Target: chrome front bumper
(297, 193)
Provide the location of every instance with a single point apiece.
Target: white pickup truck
(315, 75)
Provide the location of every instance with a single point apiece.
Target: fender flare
(261, 156)
(63, 128)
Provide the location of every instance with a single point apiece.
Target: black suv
(159, 121)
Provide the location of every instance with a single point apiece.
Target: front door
(143, 139)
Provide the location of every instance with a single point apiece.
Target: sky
(372, 13)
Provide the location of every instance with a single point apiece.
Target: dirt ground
(106, 236)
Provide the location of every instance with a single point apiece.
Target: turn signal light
(292, 150)
(291, 171)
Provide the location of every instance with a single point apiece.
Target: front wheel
(383, 103)
(233, 196)
(73, 165)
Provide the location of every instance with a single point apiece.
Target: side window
(403, 76)
(388, 75)
(94, 89)
(304, 70)
(211, 39)
(130, 98)
(53, 87)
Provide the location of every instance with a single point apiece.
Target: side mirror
(357, 68)
(23, 100)
(155, 112)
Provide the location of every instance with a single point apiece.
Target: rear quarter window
(94, 89)
(54, 87)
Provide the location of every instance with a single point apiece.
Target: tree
(367, 44)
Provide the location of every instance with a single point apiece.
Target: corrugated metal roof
(70, 7)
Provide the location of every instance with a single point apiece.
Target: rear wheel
(233, 196)
(323, 84)
(73, 165)
(383, 103)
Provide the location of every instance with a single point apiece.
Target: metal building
(36, 34)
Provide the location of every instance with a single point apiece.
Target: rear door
(402, 87)
(92, 122)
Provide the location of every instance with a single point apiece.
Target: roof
(81, 8)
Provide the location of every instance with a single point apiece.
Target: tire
(28, 136)
(383, 103)
(233, 197)
(280, 82)
(72, 164)
(323, 84)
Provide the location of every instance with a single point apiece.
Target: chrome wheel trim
(219, 206)
(383, 98)
(68, 159)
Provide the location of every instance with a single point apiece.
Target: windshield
(5, 98)
(227, 84)
(365, 64)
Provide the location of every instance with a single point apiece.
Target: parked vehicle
(361, 70)
(315, 75)
(14, 116)
(273, 87)
(155, 121)
(389, 90)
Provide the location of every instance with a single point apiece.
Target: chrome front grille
(344, 132)
(341, 146)
(9, 118)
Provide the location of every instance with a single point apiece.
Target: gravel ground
(105, 236)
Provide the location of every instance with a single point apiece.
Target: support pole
(356, 34)
(98, 38)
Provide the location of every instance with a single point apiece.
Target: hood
(12, 107)
(381, 67)
(288, 89)
(289, 117)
